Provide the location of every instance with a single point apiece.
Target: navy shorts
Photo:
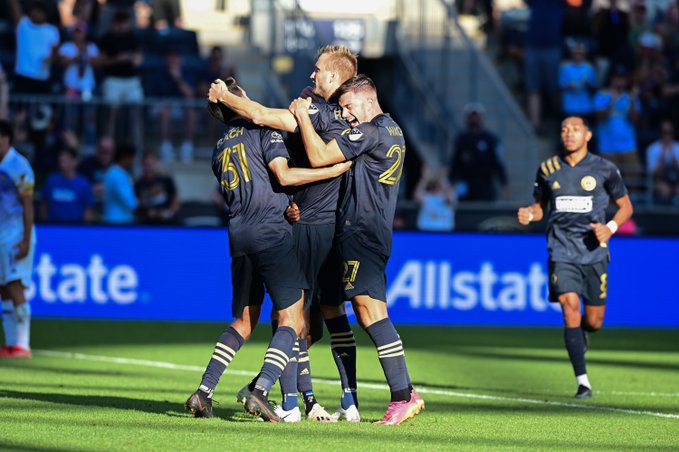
(275, 270)
(362, 271)
(312, 244)
(588, 281)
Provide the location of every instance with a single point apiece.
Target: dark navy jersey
(317, 202)
(577, 196)
(255, 202)
(368, 203)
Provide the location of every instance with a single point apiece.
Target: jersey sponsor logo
(588, 183)
(573, 204)
(313, 109)
(355, 135)
(556, 185)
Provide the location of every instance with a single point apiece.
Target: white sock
(23, 327)
(583, 380)
(9, 323)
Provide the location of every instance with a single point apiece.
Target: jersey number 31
(231, 181)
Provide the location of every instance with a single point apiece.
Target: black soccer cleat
(199, 405)
(583, 392)
(259, 406)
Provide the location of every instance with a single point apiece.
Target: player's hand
(292, 213)
(341, 168)
(525, 215)
(217, 89)
(300, 106)
(22, 249)
(602, 232)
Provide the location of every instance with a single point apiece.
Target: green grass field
(485, 388)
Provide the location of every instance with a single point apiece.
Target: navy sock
(343, 346)
(575, 344)
(289, 381)
(277, 356)
(226, 348)
(304, 385)
(392, 358)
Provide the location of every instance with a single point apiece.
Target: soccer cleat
(350, 414)
(293, 415)
(6, 351)
(415, 397)
(399, 412)
(243, 394)
(319, 414)
(199, 405)
(20, 353)
(259, 406)
(583, 392)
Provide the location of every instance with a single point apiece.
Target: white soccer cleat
(293, 415)
(349, 415)
(319, 414)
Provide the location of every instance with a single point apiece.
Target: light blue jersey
(16, 176)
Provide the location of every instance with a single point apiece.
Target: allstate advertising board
(457, 279)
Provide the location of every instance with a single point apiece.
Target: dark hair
(360, 82)
(39, 5)
(233, 87)
(124, 151)
(70, 151)
(584, 120)
(6, 130)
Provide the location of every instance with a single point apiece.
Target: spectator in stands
(477, 165)
(436, 200)
(576, 79)
(108, 10)
(167, 14)
(217, 68)
(157, 194)
(617, 110)
(95, 167)
(662, 165)
(176, 82)
(121, 58)
(67, 196)
(542, 55)
(651, 76)
(611, 31)
(37, 43)
(4, 95)
(120, 201)
(79, 58)
(577, 23)
(639, 21)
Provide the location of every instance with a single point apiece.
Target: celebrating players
(262, 254)
(578, 186)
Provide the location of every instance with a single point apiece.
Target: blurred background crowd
(107, 100)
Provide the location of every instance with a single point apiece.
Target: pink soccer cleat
(6, 351)
(20, 352)
(399, 412)
(415, 397)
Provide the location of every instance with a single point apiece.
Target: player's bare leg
(575, 341)
(373, 317)
(231, 340)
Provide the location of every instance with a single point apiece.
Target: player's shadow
(165, 407)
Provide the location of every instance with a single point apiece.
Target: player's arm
(318, 151)
(275, 118)
(604, 232)
(28, 217)
(299, 176)
(529, 214)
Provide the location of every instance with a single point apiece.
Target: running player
(314, 210)
(17, 245)
(376, 145)
(578, 187)
(260, 242)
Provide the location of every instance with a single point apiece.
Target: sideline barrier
(446, 279)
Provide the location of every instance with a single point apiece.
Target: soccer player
(578, 187)
(17, 245)
(314, 210)
(262, 254)
(376, 145)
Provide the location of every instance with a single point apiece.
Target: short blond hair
(342, 60)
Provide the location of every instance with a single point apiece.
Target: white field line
(421, 389)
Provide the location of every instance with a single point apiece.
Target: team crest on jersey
(588, 183)
(355, 135)
(313, 109)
